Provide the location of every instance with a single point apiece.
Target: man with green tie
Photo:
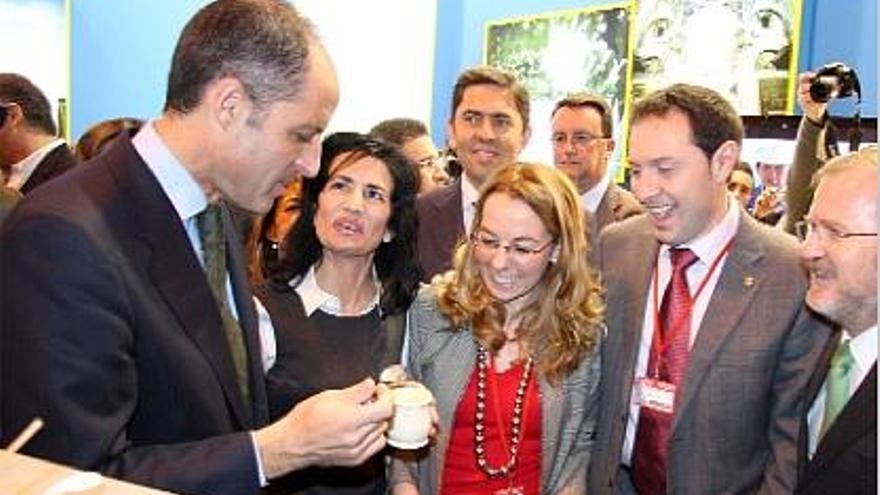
(838, 445)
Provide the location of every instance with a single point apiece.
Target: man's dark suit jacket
(441, 225)
(735, 429)
(845, 461)
(58, 161)
(111, 335)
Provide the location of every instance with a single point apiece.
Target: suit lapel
(450, 215)
(640, 261)
(813, 388)
(551, 418)
(736, 287)
(855, 420)
(175, 270)
(455, 362)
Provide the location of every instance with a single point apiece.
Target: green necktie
(837, 385)
(213, 237)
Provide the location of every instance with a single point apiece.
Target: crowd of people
(578, 336)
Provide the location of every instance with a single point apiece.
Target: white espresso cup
(411, 422)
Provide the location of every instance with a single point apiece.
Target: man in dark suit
(709, 343)
(838, 442)
(487, 129)
(126, 328)
(582, 134)
(30, 152)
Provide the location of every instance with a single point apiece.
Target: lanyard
(659, 343)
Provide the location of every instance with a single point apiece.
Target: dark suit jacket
(736, 425)
(845, 461)
(617, 204)
(441, 225)
(111, 335)
(58, 161)
(8, 198)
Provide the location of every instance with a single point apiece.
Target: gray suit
(443, 358)
(736, 426)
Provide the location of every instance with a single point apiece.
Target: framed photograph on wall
(558, 53)
(747, 50)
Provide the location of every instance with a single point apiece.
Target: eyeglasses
(578, 139)
(489, 245)
(824, 235)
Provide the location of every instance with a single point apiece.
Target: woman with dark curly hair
(508, 342)
(338, 300)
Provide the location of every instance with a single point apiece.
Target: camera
(834, 80)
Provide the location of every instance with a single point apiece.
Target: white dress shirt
(20, 172)
(864, 351)
(593, 196)
(707, 248)
(313, 298)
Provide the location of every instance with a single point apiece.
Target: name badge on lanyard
(655, 394)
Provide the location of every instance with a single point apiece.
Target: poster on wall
(34, 43)
(558, 53)
(747, 50)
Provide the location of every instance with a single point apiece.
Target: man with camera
(815, 89)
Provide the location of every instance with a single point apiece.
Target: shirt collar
(708, 246)
(863, 347)
(593, 196)
(469, 193)
(314, 297)
(182, 190)
(20, 172)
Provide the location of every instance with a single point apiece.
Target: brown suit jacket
(617, 204)
(441, 225)
(736, 427)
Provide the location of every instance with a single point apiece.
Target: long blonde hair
(564, 322)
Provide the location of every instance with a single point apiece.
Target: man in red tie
(709, 343)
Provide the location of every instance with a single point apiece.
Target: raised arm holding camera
(814, 144)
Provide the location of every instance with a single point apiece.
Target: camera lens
(821, 90)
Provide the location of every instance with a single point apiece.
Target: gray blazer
(443, 358)
(736, 428)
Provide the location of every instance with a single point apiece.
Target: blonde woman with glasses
(508, 342)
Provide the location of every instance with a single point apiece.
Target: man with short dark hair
(838, 441)
(740, 183)
(30, 151)
(412, 138)
(582, 144)
(127, 322)
(487, 129)
(709, 343)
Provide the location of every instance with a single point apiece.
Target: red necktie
(652, 433)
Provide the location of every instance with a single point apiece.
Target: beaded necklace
(516, 423)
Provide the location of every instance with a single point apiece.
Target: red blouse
(461, 476)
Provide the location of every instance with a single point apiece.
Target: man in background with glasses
(838, 441)
(582, 143)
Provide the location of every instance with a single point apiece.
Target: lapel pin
(748, 280)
